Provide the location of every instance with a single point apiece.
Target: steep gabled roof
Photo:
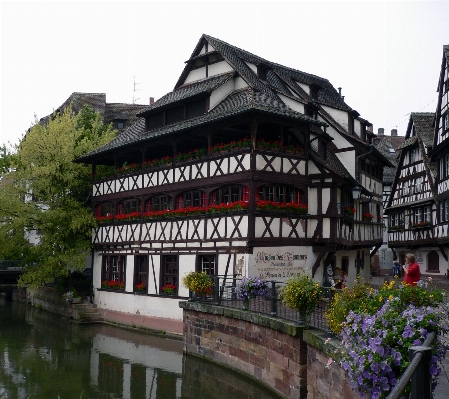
(384, 145)
(238, 102)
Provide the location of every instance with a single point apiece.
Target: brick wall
(324, 380)
(267, 349)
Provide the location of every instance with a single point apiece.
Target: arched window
(229, 194)
(279, 193)
(191, 198)
(105, 209)
(159, 203)
(128, 206)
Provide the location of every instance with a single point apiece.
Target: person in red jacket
(411, 270)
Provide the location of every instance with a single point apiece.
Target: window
(120, 124)
(159, 203)
(207, 264)
(444, 210)
(314, 92)
(141, 270)
(114, 269)
(421, 216)
(444, 167)
(262, 72)
(191, 198)
(196, 108)
(174, 115)
(169, 270)
(229, 194)
(405, 187)
(445, 123)
(396, 220)
(279, 193)
(418, 185)
(105, 209)
(413, 155)
(129, 206)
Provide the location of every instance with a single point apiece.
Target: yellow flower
(380, 299)
(390, 297)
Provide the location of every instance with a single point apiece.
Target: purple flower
(408, 332)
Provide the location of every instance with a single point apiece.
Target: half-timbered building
(440, 155)
(247, 167)
(412, 204)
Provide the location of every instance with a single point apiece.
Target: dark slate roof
(189, 90)
(327, 94)
(407, 143)
(424, 126)
(97, 101)
(446, 53)
(237, 102)
(383, 145)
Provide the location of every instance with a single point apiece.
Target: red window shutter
(245, 194)
(179, 201)
(257, 194)
(98, 211)
(298, 196)
(203, 199)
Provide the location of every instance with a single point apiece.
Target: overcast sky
(386, 56)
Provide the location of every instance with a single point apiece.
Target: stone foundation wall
(265, 348)
(326, 379)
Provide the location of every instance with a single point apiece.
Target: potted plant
(140, 288)
(367, 217)
(198, 282)
(302, 294)
(104, 285)
(250, 287)
(169, 289)
(349, 210)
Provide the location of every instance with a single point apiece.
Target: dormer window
(120, 124)
(314, 91)
(262, 71)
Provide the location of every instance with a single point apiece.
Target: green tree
(49, 193)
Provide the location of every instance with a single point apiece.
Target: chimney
(339, 91)
(380, 131)
(394, 132)
(151, 100)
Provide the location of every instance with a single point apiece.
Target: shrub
(198, 282)
(302, 294)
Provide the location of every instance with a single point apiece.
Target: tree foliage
(48, 193)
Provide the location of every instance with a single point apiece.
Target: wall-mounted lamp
(356, 191)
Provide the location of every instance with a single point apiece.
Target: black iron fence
(224, 294)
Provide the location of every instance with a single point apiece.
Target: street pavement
(442, 389)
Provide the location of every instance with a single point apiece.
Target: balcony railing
(224, 294)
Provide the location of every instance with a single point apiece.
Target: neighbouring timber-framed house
(440, 155)
(247, 167)
(412, 204)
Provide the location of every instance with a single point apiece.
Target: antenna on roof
(135, 84)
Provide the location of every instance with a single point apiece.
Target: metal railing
(224, 294)
(417, 373)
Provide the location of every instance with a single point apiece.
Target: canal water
(44, 356)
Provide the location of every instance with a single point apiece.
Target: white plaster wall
(347, 158)
(357, 127)
(219, 68)
(129, 273)
(312, 201)
(325, 198)
(203, 49)
(339, 140)
(186, 265)
(154, 261)
(252, 66)
(220, 93)
(292, 104)
(303, 86)
(340, 116)
(196, 74)
(141, 305)
(240, 83)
